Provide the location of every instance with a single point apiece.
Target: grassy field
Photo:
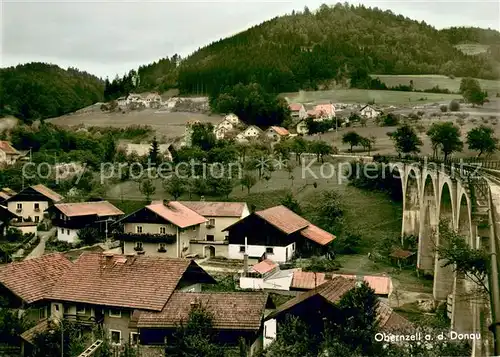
(422, 82)
(170, 125)
(364, 96)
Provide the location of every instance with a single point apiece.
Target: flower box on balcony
(147, 237)
(210, 226)
(162, 250)
(138, 249)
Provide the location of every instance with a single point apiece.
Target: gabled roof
(284, 219)
(43, 190)
(295, 107)
(252, 126)
(176, 213)
(331, 291)
(231, 311)
(325, 108)
(33, 279)
(137, 282)
(307, 280)
(369, 106)
(313, 113)
(7, 147)
(264, 266)
(99, 208)
(289, 222)
(216, 209)
(280, 130)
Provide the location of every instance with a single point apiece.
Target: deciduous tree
(406, 140)
(482, 139)
(445, 136)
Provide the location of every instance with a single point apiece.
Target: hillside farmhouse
(297, 111)
(369, 112)
(251, 133)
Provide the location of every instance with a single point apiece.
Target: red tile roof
(264, 266)
(176, 213)
(284, 219)
(389, 320)
(325, 108)
(280, 130)
(289, 222)
(99, 208)
(307, 280)
(231, 311)
(381, 284)
(33, 279)
(313, 113)
(47, 192)
(216, 209)
(41, 327)
(295, 107)
(138, 282)
(317, 234)
(7, 147)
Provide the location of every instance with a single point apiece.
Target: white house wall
(28, 209)
(279, 256)
(67, 235)
(270, 327)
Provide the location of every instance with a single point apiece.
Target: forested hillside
(304, 49)
(39, 90)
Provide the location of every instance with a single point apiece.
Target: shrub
(322, 264)
(420, 113)
(347, 243)
(443, 108)
(454, 106)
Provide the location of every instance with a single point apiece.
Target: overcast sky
(109, 37)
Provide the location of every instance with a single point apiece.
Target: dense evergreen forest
(306, 49)
(38, 90)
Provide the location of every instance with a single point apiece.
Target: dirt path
(40, 248)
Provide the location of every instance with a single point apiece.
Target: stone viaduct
(434, 193)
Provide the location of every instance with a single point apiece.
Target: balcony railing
(84, 319)
(147, 237)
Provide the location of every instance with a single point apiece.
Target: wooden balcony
(146, 237)
(84, 319)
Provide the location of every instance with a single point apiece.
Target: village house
(122, 102)
(369, 112)
(276, 133)
(237, 316)
(302, 128)
(276, 233)
(112, 290)
(153, 100)
(31, 202)
(316, 305)
(297, 111)
(8, 155)
(326, 111)
(25, 285)
(135, 98)
(70, 218)
(266, 275)
(219, 215)
(251, 133)
(163, 229)
(222, 128)
(233, 119)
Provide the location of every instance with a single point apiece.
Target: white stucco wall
(270, 330)
(279, 255)
(28, 209)
(282, 283)
(67, 235)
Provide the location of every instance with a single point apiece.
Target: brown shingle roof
(231, 311)
(332, 290)
(216, 209)
(390, 320)
(29, 335)
(99, 208)
(140, 282)
(47, 192)
(284, 219)
(317, 234)
(33, 279)
(7, 147)
(176, 213)
(307, 279)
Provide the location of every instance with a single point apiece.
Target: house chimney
(245, 258)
